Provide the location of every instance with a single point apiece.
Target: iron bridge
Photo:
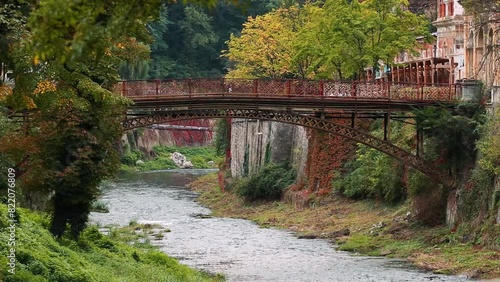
(308, 103)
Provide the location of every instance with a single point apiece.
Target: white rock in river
(187, 164)
(180, 160)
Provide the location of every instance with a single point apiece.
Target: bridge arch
(354, 134)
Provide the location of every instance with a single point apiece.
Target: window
(442, 9)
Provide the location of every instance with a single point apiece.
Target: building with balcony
(440, 62)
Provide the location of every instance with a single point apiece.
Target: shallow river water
(237, 248)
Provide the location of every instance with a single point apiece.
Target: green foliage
(158, 163)
(65, 58)
(359, 243)
(188, 39)
(99, 206)
(199, 157)
(89, 29)
(94, 257)
(269, 184)
(131, 158)
(479, 197)
(325, 39)
(221, 136)
(372, 175)
(489, 144)
(460, 129)
(480, 8)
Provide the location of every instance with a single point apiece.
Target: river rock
(139, 162)
(180, 160)
(211, 163)
(188, 164)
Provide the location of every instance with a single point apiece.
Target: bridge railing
(289, 87)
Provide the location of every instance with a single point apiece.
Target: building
(483, 51)
(450, 37)
(441, 62)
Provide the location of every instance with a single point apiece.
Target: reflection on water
(238, 248)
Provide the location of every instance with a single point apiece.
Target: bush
(99, 206)
(372, 175)
(268, 185)
(131, 158)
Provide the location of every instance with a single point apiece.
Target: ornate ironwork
(279, 87)
(292, 118)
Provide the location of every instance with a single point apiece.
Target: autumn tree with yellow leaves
(265, 47)
(331, 39)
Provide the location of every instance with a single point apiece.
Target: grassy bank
(363, 227)
(94, 257)
(199, 157)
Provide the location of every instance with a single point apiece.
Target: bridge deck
(306, 95)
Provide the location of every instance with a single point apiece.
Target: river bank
(122, 255)
(362, 227)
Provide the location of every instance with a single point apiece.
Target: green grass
(199, 157)
(359, 243)
(93, 257)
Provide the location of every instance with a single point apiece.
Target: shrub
(132, 157)
(268, 185)
(372, 175)
(99, 206)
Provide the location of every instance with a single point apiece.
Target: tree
(334, 39)
(337, 38)
(65, 62)
(265, 47)
(188, 39)
(481, 8)
(390, 28)
(191, 42)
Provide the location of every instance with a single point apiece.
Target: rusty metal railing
(290, 87)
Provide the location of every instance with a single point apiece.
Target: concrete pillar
(469, 88)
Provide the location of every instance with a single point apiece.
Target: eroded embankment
(361, 226)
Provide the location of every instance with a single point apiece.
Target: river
(237, 248)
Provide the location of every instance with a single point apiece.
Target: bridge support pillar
(354, 119)
(387, 126)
